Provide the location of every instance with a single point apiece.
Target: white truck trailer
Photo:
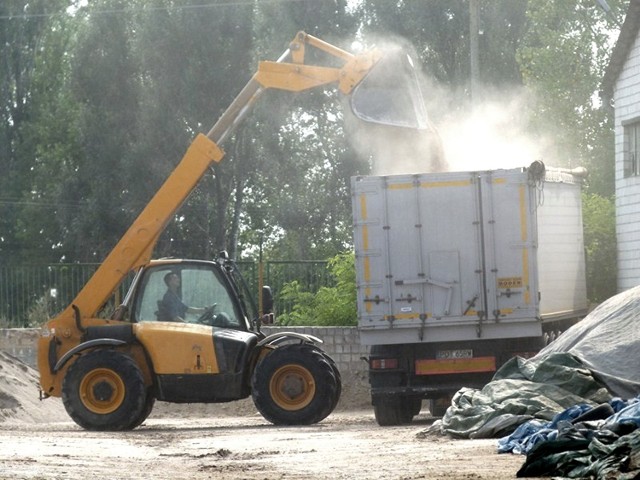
(457, 272)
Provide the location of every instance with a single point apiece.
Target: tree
(104, 84)
(562, 57)
(24, 27)
(299, 203)
(438, 31)
(600, 246)
(51, 145)
(182, 95)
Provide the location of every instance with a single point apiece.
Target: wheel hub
(292, 386)
(102, 391)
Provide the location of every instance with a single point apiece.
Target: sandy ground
(230, 441)
(347, 445)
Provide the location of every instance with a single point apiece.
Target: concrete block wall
(20, 342)
(341, 343)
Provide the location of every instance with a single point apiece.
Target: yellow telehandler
(187, 330)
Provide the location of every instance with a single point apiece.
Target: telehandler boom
(187, 330)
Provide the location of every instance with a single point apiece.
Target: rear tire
(438, 407)
(294, 385)
(104, 390)
(414, 405)
(397, 410)
(388, 412)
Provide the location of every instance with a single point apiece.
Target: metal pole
(474, 14)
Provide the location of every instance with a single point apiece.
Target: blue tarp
(580, 445)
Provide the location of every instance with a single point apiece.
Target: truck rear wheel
(104, 390)
(294, 385)
(438, 406)
(397, 410)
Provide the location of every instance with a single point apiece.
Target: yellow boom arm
(136, 246)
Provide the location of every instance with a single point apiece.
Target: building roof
(628, 34)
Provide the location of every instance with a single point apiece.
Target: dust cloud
(491, 134)
(460, 135)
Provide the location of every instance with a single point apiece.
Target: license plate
(447, 354)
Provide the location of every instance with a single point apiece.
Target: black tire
(104, 390)
(148, 408)
(397, 410)
(438, 407)
(336, 374)
(294, 385)
(413, 405)
(389, 412)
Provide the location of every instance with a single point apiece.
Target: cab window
(185, 292)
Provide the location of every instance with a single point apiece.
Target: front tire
(146, 411)
(294, 385)
(104, 390)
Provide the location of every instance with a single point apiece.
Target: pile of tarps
(607, 341)
(590, 367)
(600, 442)
(520, 391)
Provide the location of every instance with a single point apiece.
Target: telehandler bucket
(390, 94)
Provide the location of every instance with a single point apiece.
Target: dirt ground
(229, 441)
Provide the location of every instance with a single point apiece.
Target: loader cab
(188, 290)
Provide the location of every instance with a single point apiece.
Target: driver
(173, 307)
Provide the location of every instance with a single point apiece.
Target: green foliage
(329, 306)
(439, 32)
(562, 57)
(24, 41)
(600, 246)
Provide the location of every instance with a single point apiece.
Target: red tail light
(384, 364)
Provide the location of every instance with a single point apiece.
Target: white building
(621, 84)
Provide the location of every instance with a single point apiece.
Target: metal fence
(30, 294)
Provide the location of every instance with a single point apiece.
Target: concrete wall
(342, 343)
(20, 342)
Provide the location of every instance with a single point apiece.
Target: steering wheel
(207, 317)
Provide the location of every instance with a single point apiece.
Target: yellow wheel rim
(102, 391)
(292, 387)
